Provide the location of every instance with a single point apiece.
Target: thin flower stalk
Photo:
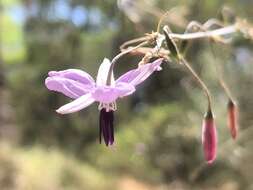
(198, 79)
(232, 109)
(136, 40)
(174, 50)
(221, 79)
(115, 59)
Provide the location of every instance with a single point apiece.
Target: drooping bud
(232, 118)
(209, 137)
(106, 126)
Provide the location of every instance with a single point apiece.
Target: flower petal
(137, 76)
(76, 105)
(73, 74)
(68, 87)
(124, 89)
(108, 94)
(103, 73)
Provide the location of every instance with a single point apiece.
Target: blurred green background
(158, 129)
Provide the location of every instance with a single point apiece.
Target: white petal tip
(159, 68)
(60, 111)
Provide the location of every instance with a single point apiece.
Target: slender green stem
(115, 59)
(219, 72)
(225, 87)
(198, 79)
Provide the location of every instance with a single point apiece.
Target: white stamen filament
(108, 106)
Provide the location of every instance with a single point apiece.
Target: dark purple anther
(106, 127)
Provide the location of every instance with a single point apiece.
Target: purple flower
(80, 86)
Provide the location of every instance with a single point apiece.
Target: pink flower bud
(232, 118)
(209, 137)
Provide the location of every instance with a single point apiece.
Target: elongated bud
(171, 43)
(232, 118)
(209, 137)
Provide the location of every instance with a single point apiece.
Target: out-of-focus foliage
(158, 144)
(12, 41)
(37, 168)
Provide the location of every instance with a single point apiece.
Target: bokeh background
(158, 129)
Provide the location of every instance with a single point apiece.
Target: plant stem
(198, 79)
(136, 40)
(219, 71)
(115, 59)
(218, 32)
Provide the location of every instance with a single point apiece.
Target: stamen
(106, 126)
(108, 106)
